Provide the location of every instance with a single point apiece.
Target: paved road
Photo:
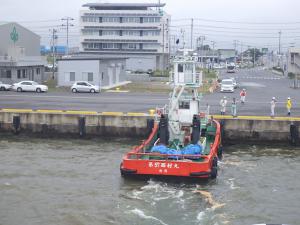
(261, 86)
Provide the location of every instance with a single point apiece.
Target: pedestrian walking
(223, 104)
(243, 96)
(289, 106)
(233, 107)
(273, 104)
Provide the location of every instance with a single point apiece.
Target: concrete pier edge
(52, 123)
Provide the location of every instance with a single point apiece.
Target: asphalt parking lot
(261, 86)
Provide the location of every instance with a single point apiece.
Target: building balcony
(108, 38)
(122, 51)
(120, 25)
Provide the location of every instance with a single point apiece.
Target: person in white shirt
(223, 104)
(273, 105)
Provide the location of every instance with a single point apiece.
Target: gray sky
(244, 20)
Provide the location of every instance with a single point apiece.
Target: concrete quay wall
(60, 124)
(248, 130)
(55, 123)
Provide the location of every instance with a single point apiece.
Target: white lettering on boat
(162, 166)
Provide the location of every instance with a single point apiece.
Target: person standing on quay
(233, 107)
(243, 96)
(223, 104)
(288, 106)
(273, 104)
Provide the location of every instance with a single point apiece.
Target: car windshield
(227, 82)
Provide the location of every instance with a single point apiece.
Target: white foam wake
(141, 214)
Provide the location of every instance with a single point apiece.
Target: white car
(83, 86)
(227, 85)
(4, 87)
(29, 86)
(235, 84)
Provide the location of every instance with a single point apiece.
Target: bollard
(16, 124)
(196, 127)
(164, 129)
(294, 134)
(81, 126)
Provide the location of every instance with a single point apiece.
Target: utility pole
(242, 55)
(235, 42)
(54, 37)
(254, 50)
(213, 62)
(201, 40)
(279, 48)
(192, 32)
(67, 24)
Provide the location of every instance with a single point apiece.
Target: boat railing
(158, 156)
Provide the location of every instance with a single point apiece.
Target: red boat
(140, 161)
(184, 142)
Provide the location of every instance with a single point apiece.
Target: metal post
(279, 49)
(54, 37)
(235, 50)
(213, 62)
(254, 50)
(242, 55)
(68, 24)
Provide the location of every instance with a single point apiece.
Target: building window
(131, 20)
(24, 73)
(184, 105)
(38, 71)
(110, 46)
(89, 19)
(90, 77)
(5, 73)
(72, 76)
(151, 33)
(19, 74)
(151, 19)
(110, 19)
(110, 33)
(131, 33)
(89, 32)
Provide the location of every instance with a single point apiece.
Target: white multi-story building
(138, 31)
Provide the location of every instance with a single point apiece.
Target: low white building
(107, 72)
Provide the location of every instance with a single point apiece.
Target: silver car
(5, 87)
(83, 86)
(29, 86)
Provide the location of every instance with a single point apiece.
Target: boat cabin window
(184, 105)
(180, 68)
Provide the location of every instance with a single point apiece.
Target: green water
(78, 182)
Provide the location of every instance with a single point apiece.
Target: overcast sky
(243, 20)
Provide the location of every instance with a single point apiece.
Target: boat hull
(139, 163)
